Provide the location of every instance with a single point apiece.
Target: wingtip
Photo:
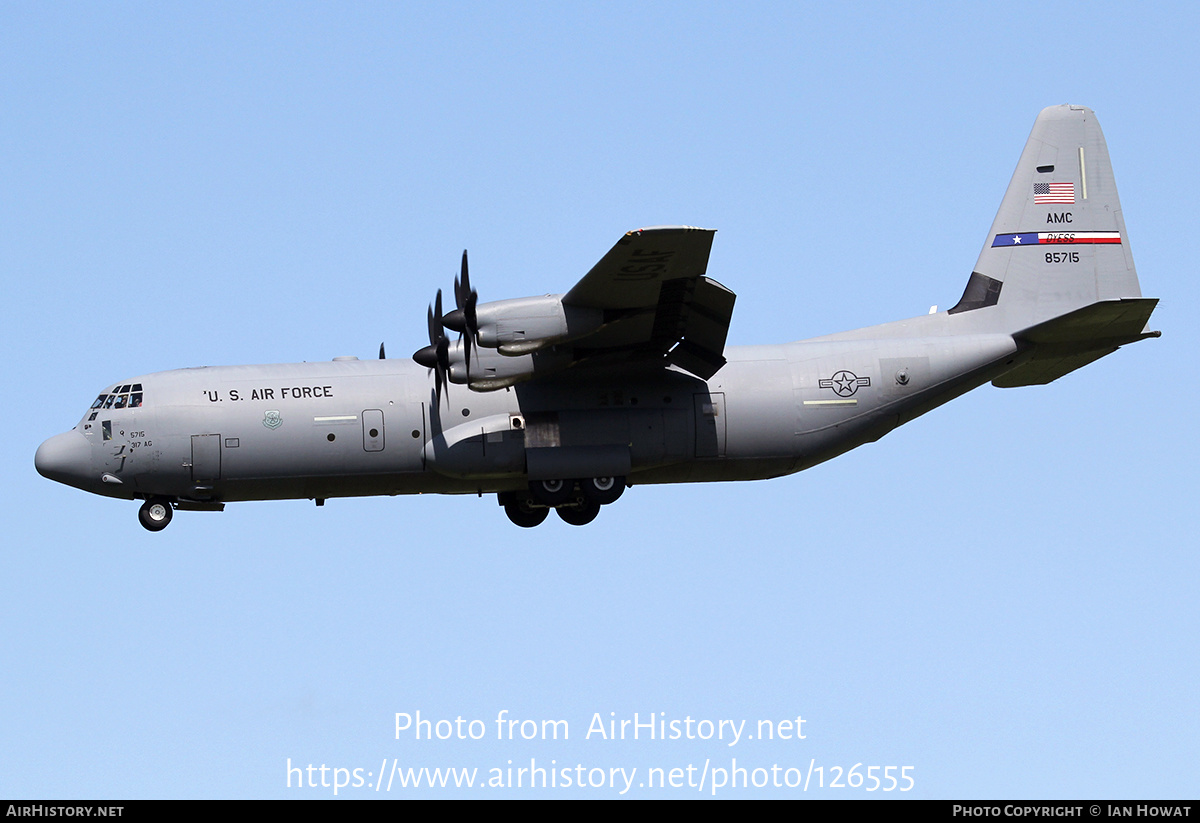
(665, 229)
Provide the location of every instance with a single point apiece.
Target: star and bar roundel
(1057, 238)
(844, 383)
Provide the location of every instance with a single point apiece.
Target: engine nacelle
(527, 324)
(491, 370)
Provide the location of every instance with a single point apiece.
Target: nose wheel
(155, 514)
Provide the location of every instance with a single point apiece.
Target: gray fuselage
(370, 427)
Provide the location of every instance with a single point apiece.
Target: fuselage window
(99, 401)
(122, 401)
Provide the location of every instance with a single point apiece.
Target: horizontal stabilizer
(1080, 337)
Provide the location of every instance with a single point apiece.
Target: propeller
(464, 319)
(436, 356)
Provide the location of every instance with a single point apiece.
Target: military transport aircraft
(562, 401)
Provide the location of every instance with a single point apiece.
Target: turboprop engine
(525, 324)
(519, 333)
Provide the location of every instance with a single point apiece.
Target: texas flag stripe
(1053, 238)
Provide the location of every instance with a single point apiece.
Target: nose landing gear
(155, 514)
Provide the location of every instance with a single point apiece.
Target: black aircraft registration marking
(844, 383)
(645, 264)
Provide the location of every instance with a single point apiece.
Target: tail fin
(1056, 266)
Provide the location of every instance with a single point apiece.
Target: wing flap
(644, 306)
(658, 305)
(701, 349)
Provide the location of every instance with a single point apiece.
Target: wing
(645, 305)
(655, 301)
(631, 275)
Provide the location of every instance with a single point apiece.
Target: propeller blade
(436, 356)
(434, 331)
(443, 364)
(463, 318)
(443, 355)
(469, 298)
(466, 282)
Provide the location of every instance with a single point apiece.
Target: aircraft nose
(65, 457)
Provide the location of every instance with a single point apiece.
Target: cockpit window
(128, 396)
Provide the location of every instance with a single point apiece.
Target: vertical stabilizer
(1056, 271)
(1058, 242)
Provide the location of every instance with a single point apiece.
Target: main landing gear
(576, 501)
(155, 514)
(522, 511)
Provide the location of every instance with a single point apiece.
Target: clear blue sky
(1001, 595)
